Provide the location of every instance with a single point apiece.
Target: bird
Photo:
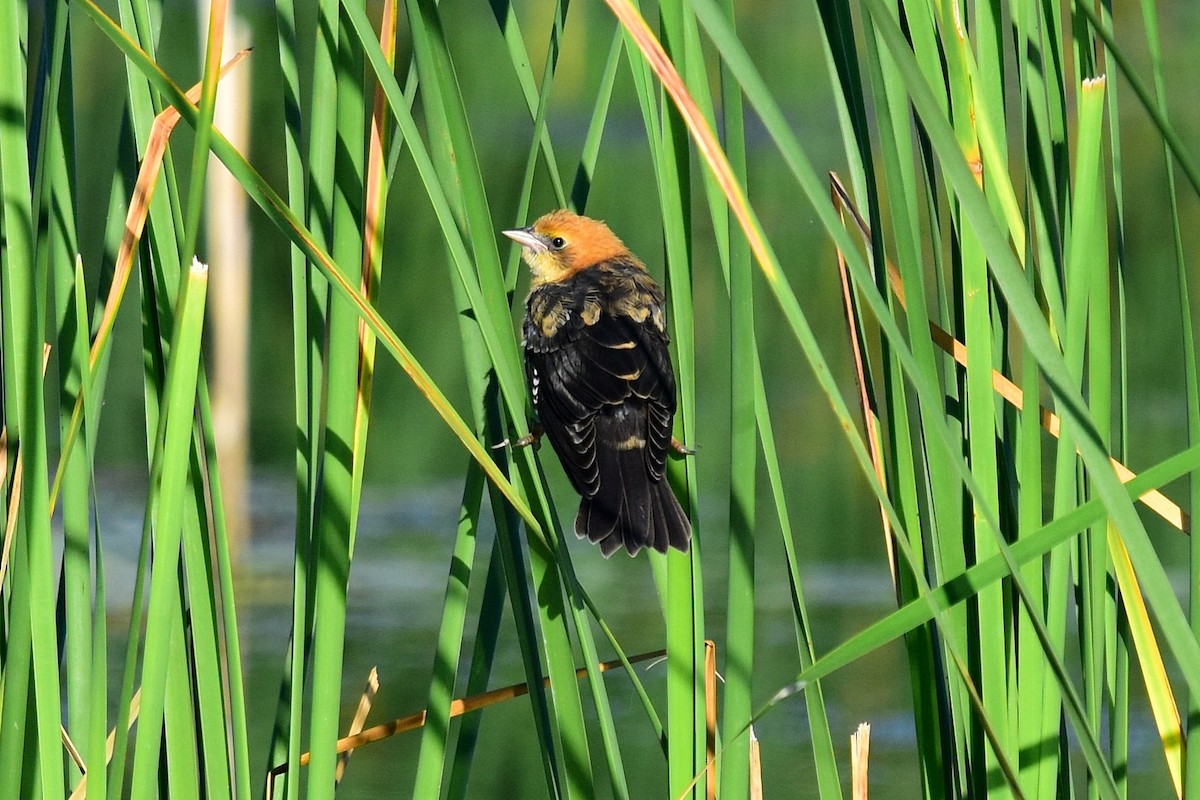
(601, 379)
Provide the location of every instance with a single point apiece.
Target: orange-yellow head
(562, 243)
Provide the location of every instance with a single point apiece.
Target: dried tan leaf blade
(457, 708)
(860, 750)
(1153, 499)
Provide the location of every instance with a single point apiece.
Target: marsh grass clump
(979, 257)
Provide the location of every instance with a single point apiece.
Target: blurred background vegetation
(416, 297)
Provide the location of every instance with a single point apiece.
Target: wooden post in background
(227, 246)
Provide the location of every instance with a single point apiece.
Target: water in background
(394, 607)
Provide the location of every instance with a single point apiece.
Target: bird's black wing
(600, 371)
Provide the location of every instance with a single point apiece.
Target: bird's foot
(680, 449)
(534, 438)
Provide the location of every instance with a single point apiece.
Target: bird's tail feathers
(630, 509)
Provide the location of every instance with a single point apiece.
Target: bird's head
(562, 243)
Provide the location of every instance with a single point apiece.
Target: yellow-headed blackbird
(603, 387)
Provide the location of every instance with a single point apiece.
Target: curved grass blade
(1153, 499)
(957, 590)
(1154, 672)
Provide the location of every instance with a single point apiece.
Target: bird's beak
(527, 238)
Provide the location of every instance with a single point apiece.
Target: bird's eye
(558, 242)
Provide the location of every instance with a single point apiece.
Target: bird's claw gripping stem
(534, 437)
(680, 449)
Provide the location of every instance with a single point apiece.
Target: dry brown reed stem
(14, 499)
(72, 750)
(360, 719)
(1147, 649)
(1153, 499)
(860, 750)
(702, 134)
(135, 705)
(710, 719)
(458, 707)
(756, 784)
(376, 169)
(372, 262)
(869, 409)
(14, 508)
(373, 215)
(14, 491)
(139, 208)
(135, 223)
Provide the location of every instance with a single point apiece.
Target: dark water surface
(394, 607)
